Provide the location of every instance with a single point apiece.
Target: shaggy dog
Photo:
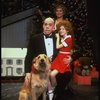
(38, 79)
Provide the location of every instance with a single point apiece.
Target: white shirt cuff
(64, 44)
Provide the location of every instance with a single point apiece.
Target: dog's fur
(39, 78)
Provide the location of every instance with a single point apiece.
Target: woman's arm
(58, 45)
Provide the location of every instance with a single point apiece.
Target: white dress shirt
(49, 46)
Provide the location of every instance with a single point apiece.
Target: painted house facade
(12, 61)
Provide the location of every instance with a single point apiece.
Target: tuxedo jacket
(36, 46)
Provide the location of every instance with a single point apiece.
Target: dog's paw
(36, 85)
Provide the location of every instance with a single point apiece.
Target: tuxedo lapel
(55, 51)
(42, 44)
(54, 43)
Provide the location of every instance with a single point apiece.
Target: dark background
(94, 27)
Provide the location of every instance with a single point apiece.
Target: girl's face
(62, 31)
(59, 12)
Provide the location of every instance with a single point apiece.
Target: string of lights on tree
(78, 15)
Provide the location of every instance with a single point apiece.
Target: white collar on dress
(67, 36)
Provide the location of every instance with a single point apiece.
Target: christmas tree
(78, 15)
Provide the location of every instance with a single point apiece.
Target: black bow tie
(46, 36)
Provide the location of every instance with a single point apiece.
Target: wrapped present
(94, 73)
(82, 80)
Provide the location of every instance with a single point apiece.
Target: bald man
(41, 43)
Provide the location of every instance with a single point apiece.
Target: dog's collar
(35, 71)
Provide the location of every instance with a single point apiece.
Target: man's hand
(67, 60)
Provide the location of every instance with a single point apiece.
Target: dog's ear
(34, 60)
(34, 63)
(48, 61)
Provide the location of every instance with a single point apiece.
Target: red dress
(58, 62)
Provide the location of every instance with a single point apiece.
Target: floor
(9, 91)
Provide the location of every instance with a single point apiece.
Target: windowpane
(9, 62)
(19, 70)
(19, 62)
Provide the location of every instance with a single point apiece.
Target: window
(19, 62)
(9, 62)
(19, 70)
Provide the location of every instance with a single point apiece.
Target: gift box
(94, 73)
(78, 79)
(82, 80)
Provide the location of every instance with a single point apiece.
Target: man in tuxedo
(44, 43)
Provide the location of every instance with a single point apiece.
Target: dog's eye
(44, 56)
(38, 57)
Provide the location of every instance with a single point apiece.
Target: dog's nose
(42, 60)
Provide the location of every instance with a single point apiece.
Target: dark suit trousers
(62, 82)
